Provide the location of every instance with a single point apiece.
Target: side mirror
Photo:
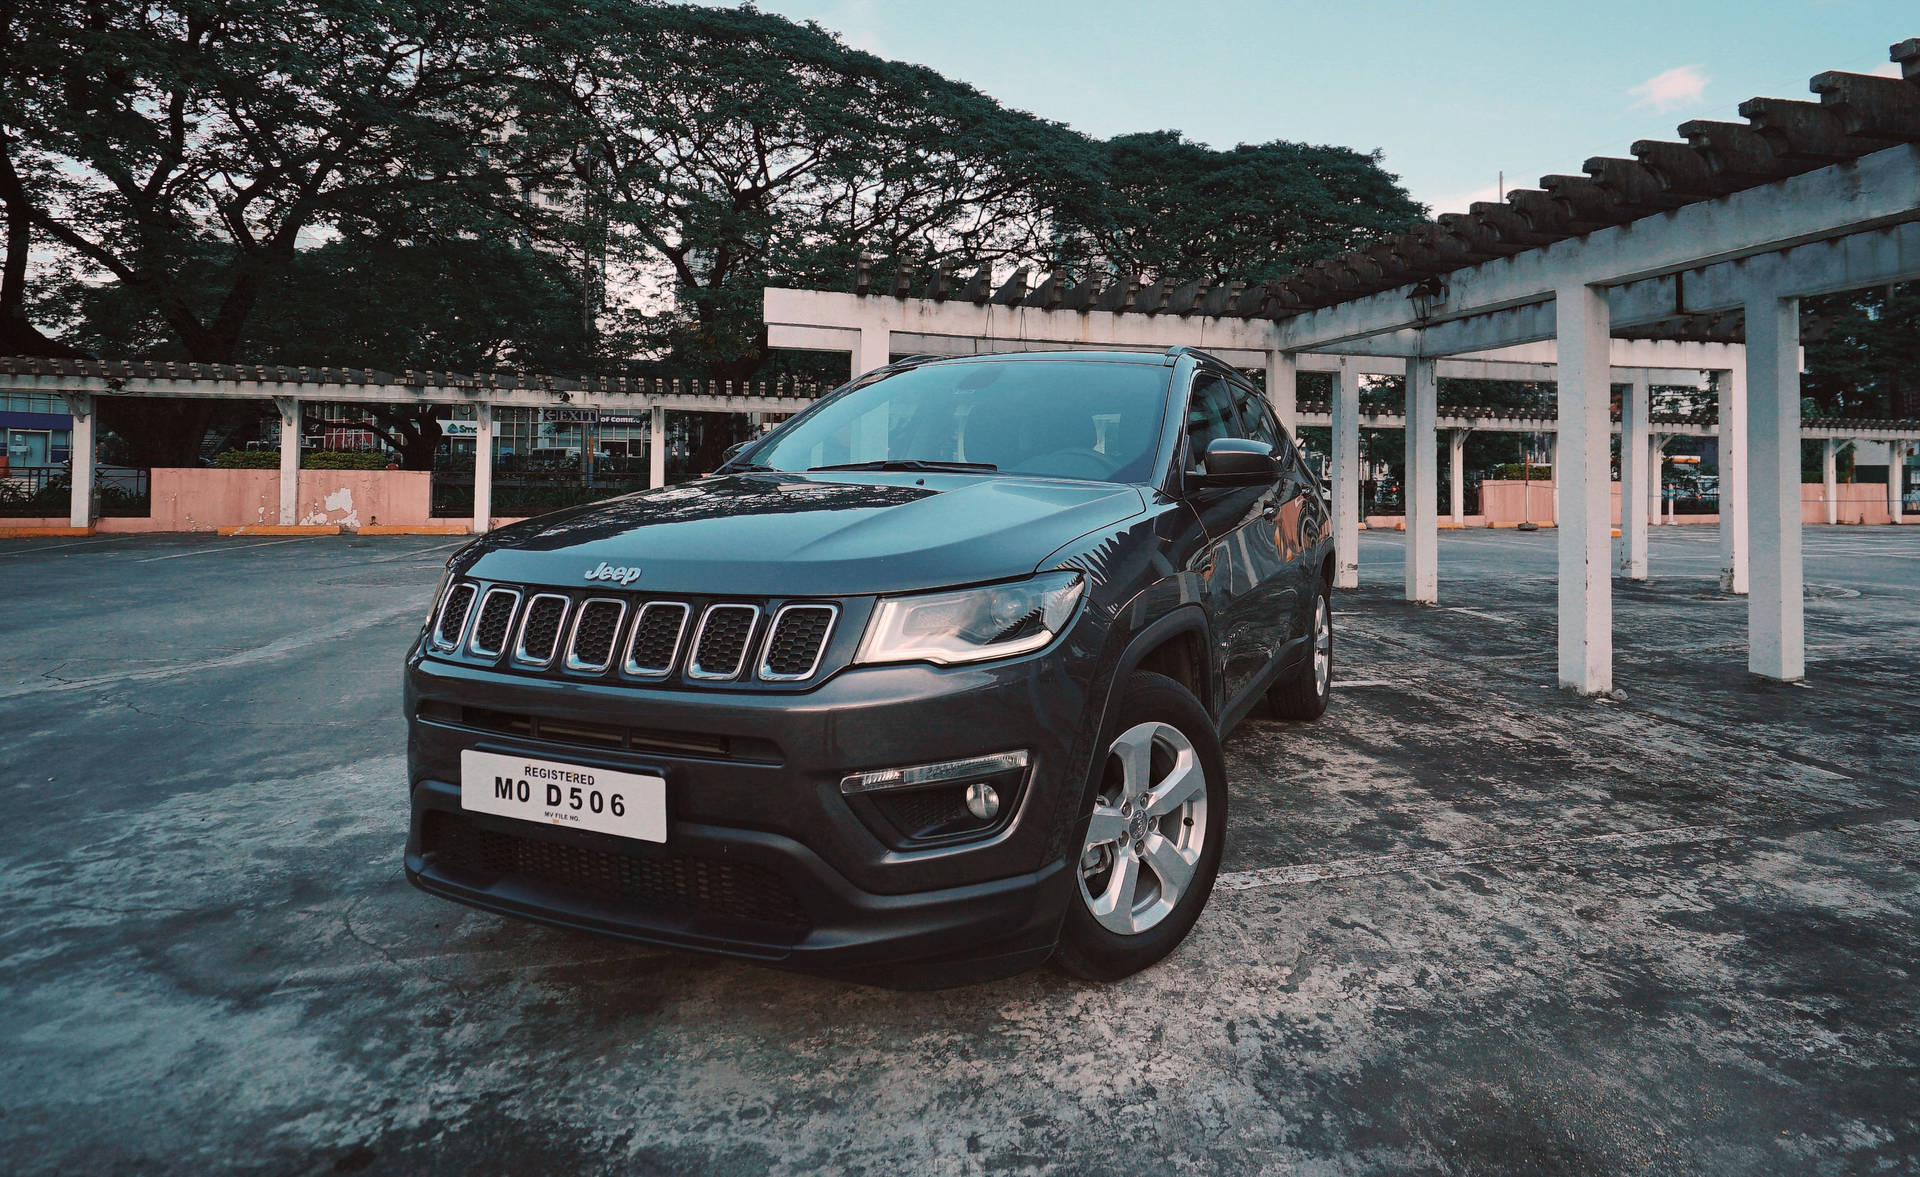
(731, 452)
(1238, 461)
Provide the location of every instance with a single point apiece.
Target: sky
(1453, 95)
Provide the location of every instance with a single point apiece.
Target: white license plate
(625, 804)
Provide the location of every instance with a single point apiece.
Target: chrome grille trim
(520, 655)
(631, 668)
(458, 589)
(573, 660)
(695, 669)
(513, 611)
(819, 650)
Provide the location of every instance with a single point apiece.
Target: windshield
(1087, 419)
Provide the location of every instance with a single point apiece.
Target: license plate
(625, 804)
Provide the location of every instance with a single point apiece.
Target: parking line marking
(1483, 615)
(211, 551)
(1365, 682)
(1386, 864)
(56, 547)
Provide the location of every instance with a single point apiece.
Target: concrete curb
(283, 529)
(414, 529)
(42, 532)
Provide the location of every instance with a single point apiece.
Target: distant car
(923, 687)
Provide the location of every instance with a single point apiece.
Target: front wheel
(1151, 843)
(1302, 693)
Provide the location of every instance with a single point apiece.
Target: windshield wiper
(908, 464)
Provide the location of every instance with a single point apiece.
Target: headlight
(971, 625)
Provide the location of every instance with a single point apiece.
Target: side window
(1209, 416)
(1259, 419)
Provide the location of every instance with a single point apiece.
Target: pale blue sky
(1452, 93)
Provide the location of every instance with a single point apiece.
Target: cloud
(1668, 91)
(1889, 69)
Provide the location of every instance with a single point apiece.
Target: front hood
(776, 534)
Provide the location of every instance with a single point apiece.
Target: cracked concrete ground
(1468, 924)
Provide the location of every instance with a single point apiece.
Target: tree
(185, 150)
(732, 148)
(1170, 210)
(1867, 363)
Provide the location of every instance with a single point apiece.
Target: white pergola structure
(1715, 238)
(81, 382)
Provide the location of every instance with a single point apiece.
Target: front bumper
(764, 859)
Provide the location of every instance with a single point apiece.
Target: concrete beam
(1345, 426)
(1733, 482)
(1634, 460)
(80, 445)
(289, 410)
(657, 448)
(482, 468)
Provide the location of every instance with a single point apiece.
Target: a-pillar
(1283, 393)
(1733, 482)
(875, 350)
(80, 448)
(1896, 478)
(289, 459)
(1830, 479)
(1456, 475)
(1776, 617)
(1346, 475)
(1635, 455)
(1583, 485)
(482, 468)
(657, 448)
(1422, 490)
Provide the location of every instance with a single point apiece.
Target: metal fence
(43, 492)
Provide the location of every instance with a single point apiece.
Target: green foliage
(318, 460)
(1867, 364)
(1523, 471)
(1170, 210)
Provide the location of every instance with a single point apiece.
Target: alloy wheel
(1149, 823)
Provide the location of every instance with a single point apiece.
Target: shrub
(318, 460)
(1519, 471)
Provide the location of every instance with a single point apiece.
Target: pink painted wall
(1501, 501)
(202, 500)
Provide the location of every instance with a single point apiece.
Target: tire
(1302, 692)
(1113, 928)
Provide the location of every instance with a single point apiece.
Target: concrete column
(657, 449)
(80, 450)
(1553, 464)
(1656, 461)
(875, 350)
(1776, 620)
(1896, 475)
(1830, 479)
(1456, 475)
(482, 468)
(289, 459)
(1283, 391)
(1422, 493)
(1346, 475)
(1583, 491)
(1635, 454)
(1734, 494)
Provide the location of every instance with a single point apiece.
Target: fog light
(982, 801)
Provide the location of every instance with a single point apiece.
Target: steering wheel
(1073, 463)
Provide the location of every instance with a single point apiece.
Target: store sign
(570, 416)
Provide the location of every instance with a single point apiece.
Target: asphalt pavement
(1467, 923)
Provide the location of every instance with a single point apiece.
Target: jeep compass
(926, 686)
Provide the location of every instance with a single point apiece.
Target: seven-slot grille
(595, 629)
(720, 647)
(540, 629)
(796, 641)
(656, 638)
(547, 631)
(453, 616)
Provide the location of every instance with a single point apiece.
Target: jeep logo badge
(624, 576)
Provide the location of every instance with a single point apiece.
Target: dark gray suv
(924, 687)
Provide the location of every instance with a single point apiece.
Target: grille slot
(540, 629)
(720, 647)
(683, 883)
(795, 642)
(453, 616)
(595, 629)
(495, 622)
(656, 639)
